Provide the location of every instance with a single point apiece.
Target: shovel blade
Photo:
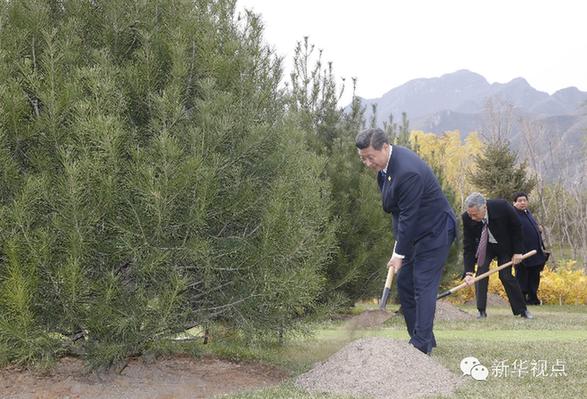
(383, 300)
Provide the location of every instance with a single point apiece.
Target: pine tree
(363, 233)
(399, 134)
(151, 180)
(498, 174)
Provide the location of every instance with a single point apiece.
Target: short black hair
(518, 195)
(373, 137)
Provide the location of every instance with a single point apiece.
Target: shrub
(561, 284)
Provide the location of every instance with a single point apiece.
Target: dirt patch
(446, 311)
(176, 378)
(368, 319)
(380, 368)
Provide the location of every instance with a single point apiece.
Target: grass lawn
(541, 358)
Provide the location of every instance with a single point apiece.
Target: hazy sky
(385, 43)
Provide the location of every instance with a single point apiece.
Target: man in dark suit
(423, 227)
(528, 271)
(491, 229)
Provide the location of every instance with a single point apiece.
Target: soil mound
(492, 300)
(369, 318)
(381, 368)
(446, 311)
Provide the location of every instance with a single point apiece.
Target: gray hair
(373, 137)
(476, 200)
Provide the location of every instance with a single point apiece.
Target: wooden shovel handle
(484, 275)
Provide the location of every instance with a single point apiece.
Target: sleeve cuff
(395, 254)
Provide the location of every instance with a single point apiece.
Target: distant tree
(565, 227)
(399, 134)
(373, 120)
(498, 120)
(497, 173)
(452, 156)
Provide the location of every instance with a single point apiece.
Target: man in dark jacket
(528, 272)
(491, 229)
(423, 227)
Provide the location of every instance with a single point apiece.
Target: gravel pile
(380, 368)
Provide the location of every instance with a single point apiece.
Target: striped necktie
(482, 248)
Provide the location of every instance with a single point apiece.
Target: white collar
(388, 159)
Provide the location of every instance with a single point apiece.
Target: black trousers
(529, 279)
(509, 282)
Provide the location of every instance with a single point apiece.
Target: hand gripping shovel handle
(387, 288)
(484, 275)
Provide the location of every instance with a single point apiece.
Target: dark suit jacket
(505, 227)
(532, 238)
(411, 193)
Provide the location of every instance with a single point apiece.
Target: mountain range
(466, 101)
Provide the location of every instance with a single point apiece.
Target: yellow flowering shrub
(564, 284)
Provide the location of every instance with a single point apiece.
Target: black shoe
(526, 315)
(429, 352)
(482, 315)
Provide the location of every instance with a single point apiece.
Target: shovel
(373, 318)
(386, 289)
(482, 276)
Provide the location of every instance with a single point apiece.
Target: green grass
(558, 333)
